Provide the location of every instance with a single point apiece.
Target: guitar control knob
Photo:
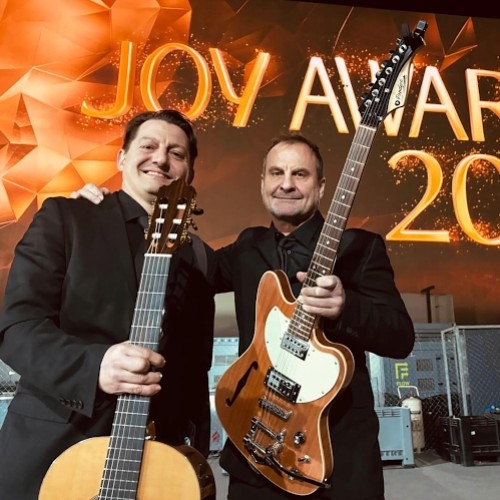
(299, 438)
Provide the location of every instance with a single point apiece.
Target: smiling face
(290, 186)
(158, 155)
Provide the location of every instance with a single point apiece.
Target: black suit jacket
(374, 319)
(70, 296)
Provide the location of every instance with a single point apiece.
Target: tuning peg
(198, 211)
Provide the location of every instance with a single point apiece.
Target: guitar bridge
(267, 405)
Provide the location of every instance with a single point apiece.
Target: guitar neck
(387, 93)
(145, 330)
(131, 415)
(325, 253)
(148, 314)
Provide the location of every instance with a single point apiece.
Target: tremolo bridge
(268, 454)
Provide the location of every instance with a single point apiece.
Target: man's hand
(91, 192)
(326, 299)
(126, 368)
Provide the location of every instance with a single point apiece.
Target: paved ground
(432, 478)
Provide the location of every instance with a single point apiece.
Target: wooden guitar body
(167, 473)
(273, 400)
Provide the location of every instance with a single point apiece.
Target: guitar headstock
(390, 89)
(172, 216)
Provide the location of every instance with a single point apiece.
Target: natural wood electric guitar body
(273, 403)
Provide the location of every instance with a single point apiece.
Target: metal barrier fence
(477, 367)
(8, 381)
(452, 371)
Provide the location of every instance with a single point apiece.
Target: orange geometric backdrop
(74, 71)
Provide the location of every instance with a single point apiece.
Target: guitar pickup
(294, 346)
(282, 385)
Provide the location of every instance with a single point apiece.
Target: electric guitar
(128, 464)
(274, 400)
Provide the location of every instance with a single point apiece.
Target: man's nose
(287, 183)
(160, 157)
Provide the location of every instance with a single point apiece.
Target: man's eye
(178, 154)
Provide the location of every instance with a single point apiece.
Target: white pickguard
(316, 374)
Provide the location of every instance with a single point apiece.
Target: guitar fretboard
(325, 254)
(123, 462)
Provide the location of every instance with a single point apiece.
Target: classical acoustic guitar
(274, 400)
(129, 464)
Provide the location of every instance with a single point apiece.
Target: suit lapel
(266, 246)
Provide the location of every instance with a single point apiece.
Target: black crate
(465, 440)
(433, 408)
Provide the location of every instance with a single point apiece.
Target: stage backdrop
(74, 71)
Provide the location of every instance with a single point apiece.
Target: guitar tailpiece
(294, 473)
(270, 460)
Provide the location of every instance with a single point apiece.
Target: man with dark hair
(68, 311)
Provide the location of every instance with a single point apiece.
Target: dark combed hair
(295, 137)
(167, 115)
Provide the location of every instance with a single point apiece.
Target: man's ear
(322, 186)
(119, 159)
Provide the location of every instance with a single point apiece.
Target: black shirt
(136, 222)
(296, 249)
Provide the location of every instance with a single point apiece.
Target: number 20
(459, 196)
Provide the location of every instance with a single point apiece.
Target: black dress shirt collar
(294, 251)
(307, 234)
